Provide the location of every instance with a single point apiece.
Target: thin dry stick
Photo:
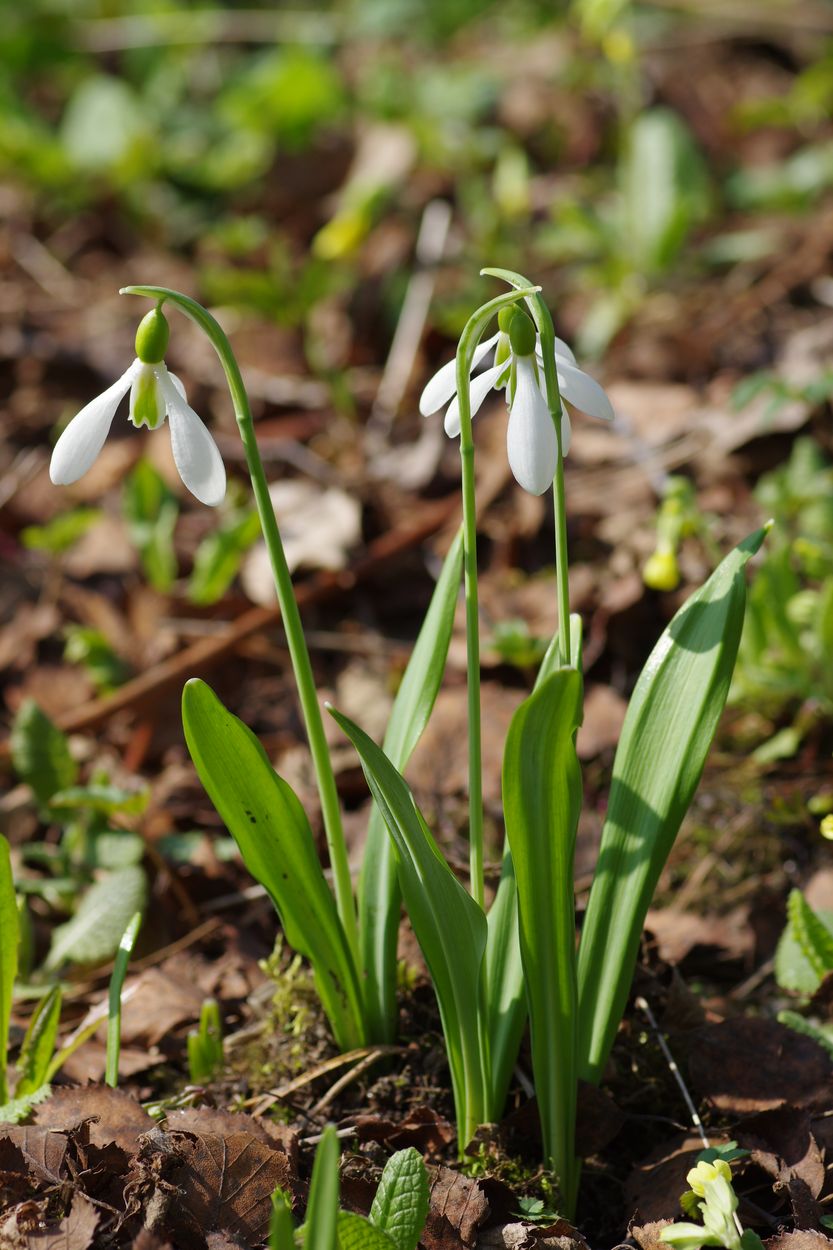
(643, 1006)
(264, 1101)
(356, 1071)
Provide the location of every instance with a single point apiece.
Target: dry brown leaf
(74, 1232)
(653, 1189)
(457, 1208)
(747, 1065)
(227, 1183)
(422, 1128)
(44, 1152)
(800, 1239)
(114, 1116)
(679, 932)
(604, 715)
(783, 1145)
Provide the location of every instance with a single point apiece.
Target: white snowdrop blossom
(531, 440)
(155, 393)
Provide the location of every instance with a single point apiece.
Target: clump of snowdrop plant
(493, 967)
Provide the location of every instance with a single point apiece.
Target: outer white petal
(583, 391)
(195, 453)
(566, 432)
(478, 390)
(443, 384)
(563, 351)
(78, 447)
(531, 441)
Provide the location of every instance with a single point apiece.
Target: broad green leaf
(811, 935)
(219, 556)
(108, 800)
(40, 753)
(400, 1207)
(552, 659)
(320, 1229)
(378, 894)
(668, 729)
(357, 1233)
(542, 795)
(103, 122)
(9, 932)
(94, 932)
(39, 1044)
(150, 512)
(449, 926)
(793, 969)
(271, 829)
(62, 532)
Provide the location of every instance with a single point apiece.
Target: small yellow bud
(826, 828)
(661, 571)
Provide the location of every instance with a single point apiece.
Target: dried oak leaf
(226, 1183)
(201, 1120)
(43, 1151)
(647, 1235)
(457, 1208)
(653, 1189)
(521, 1235)
(112, 1114)
(743, 1066)
(782, 1144)
(598, 1120)
(74, 1232)
(146, 1240)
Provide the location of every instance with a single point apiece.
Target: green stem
(465, 351)
(290, 615)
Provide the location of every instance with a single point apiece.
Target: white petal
(441, 387)
(478, 390)
(531, 441)
(583, 391)
(180, 386)
(564, 352)
(195, 452)
(78, 447)
(566, 432)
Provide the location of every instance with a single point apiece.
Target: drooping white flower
(529, 442)
(155, 393)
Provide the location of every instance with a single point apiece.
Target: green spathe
(152, 337)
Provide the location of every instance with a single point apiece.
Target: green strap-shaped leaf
(400, 1207)
(379, 892)
(281, 1229)
(9, 936)
(541, 804)
(811, 933)
(670, 723)
(39, 1044)
(357, 1233)
(449, 926)
(270, 827)
(320, 1229)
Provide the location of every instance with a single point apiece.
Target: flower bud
(505, 317)
(661, 571)
(522, 334)
(152, 337)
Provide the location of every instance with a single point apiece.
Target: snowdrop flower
(531, 439)
(155, 393)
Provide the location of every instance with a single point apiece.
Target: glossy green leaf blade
(281, 1228)
(671, 720)
(542, 795)
(379, 892)
(123, 954)
(320, 1228)
(9, 936)
(400, 1206)
(39, 1044)
(271, 829)
(449, 926)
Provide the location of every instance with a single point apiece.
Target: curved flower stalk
(155, 393)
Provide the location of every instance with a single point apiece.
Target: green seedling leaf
(114, 850)
(40, 753)
(62, 532)
(123, 954)
(219, 556)
(108, 800)
(793, 969)
(95, 931)
(357, 1233)
(269, 826)
(18, 1109)
(320, 1229)
(542, 795)
(814, 939)
(150, 511)
(449, 926)
(400, 1207)
(281, 1231)
(9, 936)
(378, 893)
(39, 1044)
(670, 723)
